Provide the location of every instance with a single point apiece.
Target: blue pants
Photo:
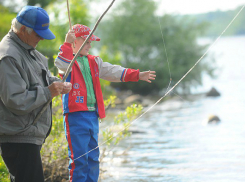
(82, 129)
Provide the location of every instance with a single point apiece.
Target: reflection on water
(177, 145)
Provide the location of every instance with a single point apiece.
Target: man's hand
(57, 88)
(67, 88)
(147, 76)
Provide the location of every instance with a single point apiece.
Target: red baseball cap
(83, 31)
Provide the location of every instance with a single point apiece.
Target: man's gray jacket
(24, 80)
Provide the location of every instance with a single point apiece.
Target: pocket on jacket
(14, 124)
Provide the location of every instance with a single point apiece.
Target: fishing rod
(73, 60)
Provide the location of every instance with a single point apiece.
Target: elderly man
(26, 85)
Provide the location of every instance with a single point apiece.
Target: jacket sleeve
(14, 90)
(116, 73)
(64, 57)
(52, 78)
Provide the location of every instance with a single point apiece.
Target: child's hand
(70, 36)
(147, 76)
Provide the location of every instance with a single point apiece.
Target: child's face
(78, 43)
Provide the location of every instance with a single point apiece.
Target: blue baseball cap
(36, 18)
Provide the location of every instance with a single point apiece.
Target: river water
(177, 144)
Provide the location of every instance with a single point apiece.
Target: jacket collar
(14, 36)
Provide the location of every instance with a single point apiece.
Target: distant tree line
(218, 20)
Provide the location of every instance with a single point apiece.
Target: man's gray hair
(17, 25)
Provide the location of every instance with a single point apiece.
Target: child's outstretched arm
(147, 76)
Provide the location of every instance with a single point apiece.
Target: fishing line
(210, 47)
(165, 49)
(166, 54)
(129, 124)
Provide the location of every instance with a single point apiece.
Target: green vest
(84, 67)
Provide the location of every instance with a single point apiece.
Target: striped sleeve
(130, 75)
(64, 57)
(116, 73)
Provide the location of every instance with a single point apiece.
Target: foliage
(135, 31)
(110, 102)
(5, 20)
(56, 142)
(115, 133)
(42, 3)
(4, 174)
(54, 151)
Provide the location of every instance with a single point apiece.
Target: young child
(84, 105)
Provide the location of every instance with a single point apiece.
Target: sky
(197, 6)
(182, 6)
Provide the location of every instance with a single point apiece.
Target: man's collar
(15, 37)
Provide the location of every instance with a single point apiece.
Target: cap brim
(46, 34)
(92, 38)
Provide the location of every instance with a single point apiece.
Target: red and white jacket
(76, 99)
